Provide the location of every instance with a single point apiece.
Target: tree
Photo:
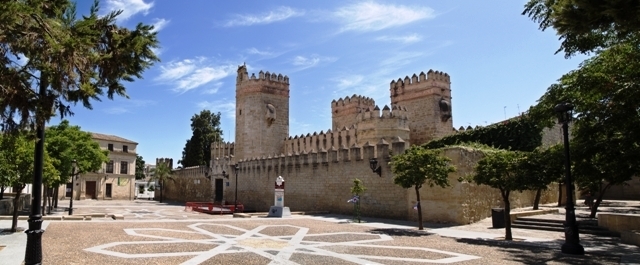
(69, 60)
(66, 143)
(419, 166)
(206, 130)
(586, 25)
(605, 91)
(500, 169)
(357, 189)
(161, 174)
(542, 167)
(140, 174)
(16, 157)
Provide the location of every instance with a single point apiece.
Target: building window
(108, 190)
(110, 166)
(125, 149)
(68, 191)
(110, 147)
(123, 167)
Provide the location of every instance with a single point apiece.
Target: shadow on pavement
(400, 232)
(549, 253)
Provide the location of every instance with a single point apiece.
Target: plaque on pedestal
(279, 210)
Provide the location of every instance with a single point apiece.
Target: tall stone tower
(428, 102)
(262, 114)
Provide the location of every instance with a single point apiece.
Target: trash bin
(497, 217)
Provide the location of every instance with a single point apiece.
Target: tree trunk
(420, 227)
(16, 200)
(2, 192)
(594, 207)
(55, 195)
(44, 200)
(536, 201)
(507, 216)
(559, 194)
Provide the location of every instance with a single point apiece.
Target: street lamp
(373, 164)
(73, 175)
(235, 208)
(571, 236)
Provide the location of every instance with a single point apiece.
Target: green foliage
(501, 169)
(72, 59)
(161, 174)
(520, 133)
(605, 91)
(418, 166)
(206, 130)
(140, 167)
(357, 189)
(587, 25)
(64, 143)
(543, 166)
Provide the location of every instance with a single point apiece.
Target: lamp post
(373, 164)
(73, 175)
(571, 235)
(235, 208)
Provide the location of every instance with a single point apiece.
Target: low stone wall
(628, 225)
(6, 204)
(619, 222)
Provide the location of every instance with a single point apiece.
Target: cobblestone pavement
(153, 233)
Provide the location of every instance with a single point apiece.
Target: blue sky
(498, 60)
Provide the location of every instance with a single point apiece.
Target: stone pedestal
(279, 211)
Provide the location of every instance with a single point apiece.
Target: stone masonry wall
(464, 202)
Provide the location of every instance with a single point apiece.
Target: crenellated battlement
(222, 149)
(243, 76)
(321, 141)
(343, 154)
(431, 76)
(374, 123)
(344, 112)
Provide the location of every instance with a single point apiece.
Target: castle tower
(262, 114)
(428, 102)
(344, 112)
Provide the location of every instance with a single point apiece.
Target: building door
(107, 190)
(218, 190)
(91, 190)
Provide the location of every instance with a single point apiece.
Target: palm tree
(161, 173)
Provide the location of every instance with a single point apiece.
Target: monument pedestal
(279, 211)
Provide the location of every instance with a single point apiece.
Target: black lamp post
(73, 177)
(571, 235)
(235, 208)
(373, 164)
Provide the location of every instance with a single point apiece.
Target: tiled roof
(114, 138)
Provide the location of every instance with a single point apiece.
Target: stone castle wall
(321, 181)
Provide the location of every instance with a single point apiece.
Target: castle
(319, 168)
(420, 111)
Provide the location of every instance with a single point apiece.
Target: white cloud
(404, 39)
(116, 110)
(371, 16)
(160, 23)
(311, 61)
(258, 52)
(214, 89)
(129, 7)
(349, 82)
(188, 74)
(226, 107)
(279, 14)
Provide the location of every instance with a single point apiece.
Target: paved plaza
(165, 234)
